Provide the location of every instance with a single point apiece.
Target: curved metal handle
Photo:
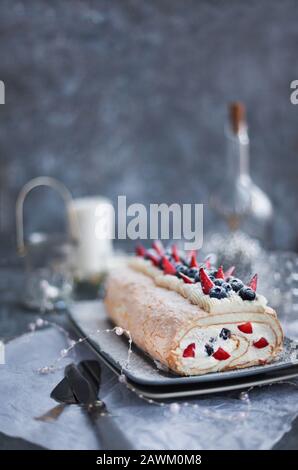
(34, 183)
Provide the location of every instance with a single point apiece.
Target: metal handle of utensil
(109, 435)
(34, 183)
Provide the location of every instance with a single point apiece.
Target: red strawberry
(140, 250)
(221, 355)
(168, 268)
(207, 263)
(261, 343)
(190, 350)
(220, 273)
(206, 282)
(158, 247)
(186, 279)
(193, 261)
(229, 272)
(175, 253)
(153, 258)
(253, 282)
(245, 328)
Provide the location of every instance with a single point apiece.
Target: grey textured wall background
(129, 97)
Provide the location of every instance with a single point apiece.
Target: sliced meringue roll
(166, 323)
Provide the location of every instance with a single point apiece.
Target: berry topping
(246, 293)
(206, 282)
(158, 247)
(253, 282)
(186, 279)
(193, 261)
(192, 272)
(175, 255)
(140, 250)
(245, 328)
(236, 284)
(152, 257)
(261, 343)
(229, 272)
(225, 334)
(220, 273)
(218, 282)
(180, 268)
(190, 350)
(209, 349)
(227, 286)
(221, 355)
(218, 292)
(212, 272)
(168, 267)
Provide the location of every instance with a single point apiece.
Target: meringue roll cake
(193, 318)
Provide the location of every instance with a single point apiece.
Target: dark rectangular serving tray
(142, 371)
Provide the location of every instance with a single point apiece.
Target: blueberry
(212, 272)
(227, 286)
(180, 268)
(225, 334)
(197, 277)
(218, 292)
(218, 282)
(236, 284)
(209, 349)
(192, 272)
(246, 293)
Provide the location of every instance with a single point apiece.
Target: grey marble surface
(130, 98)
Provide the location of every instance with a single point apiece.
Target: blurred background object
(241, 203)
(92, 223)
(48, 258)
(131, 98)
(245, 208)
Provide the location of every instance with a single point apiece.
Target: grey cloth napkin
(217, 422)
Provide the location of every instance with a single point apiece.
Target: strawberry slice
(168, 267)
(229, 272)
(206, 282)
(140, 250)
(220, 273)
(207, 263)
(190, 350)
(175, 253)
(186, 279)
(245, 328)
(191, 252)
(193, 261)
(253, 282)
(158, 247)
(221, 354)
(153, 258)
(261, 343)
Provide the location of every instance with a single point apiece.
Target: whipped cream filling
(194, 293)
(239, 346)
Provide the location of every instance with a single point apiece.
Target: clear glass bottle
(242, 204)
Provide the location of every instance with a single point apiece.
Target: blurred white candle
(92, 224)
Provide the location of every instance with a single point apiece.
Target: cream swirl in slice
(238, 347)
